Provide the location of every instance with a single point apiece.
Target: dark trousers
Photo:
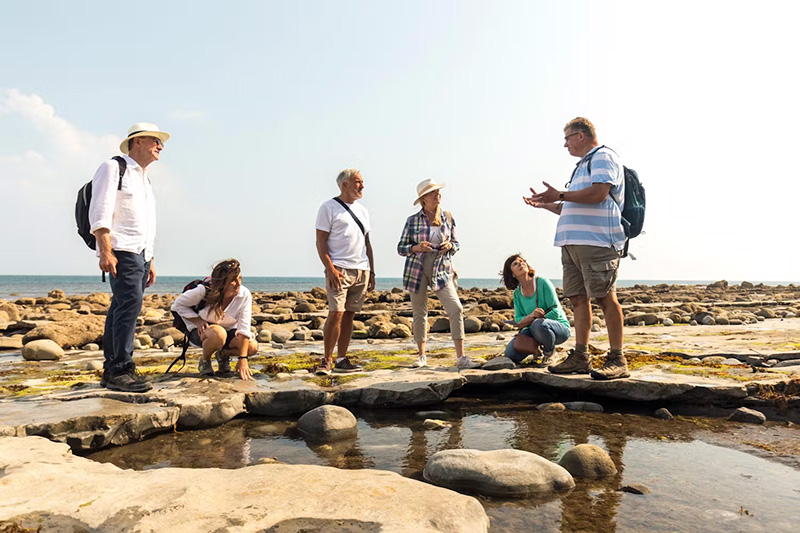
(127, 290)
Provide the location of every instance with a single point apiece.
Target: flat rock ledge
(93, 418)
(43, 484)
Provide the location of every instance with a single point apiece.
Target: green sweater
(523, 306)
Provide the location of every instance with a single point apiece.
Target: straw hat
(143, 129)
(426, 186)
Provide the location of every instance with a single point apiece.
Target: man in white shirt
(346, 253)
(122, 216)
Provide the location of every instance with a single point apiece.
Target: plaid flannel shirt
(416, 230)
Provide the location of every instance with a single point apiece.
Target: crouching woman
(217, 315)
(537, 312)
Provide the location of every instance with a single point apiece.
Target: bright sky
(267, 101)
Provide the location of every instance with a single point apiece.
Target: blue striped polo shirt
(595, 224)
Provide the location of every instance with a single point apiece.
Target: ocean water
(38, 286)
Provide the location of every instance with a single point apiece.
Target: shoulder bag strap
(122, 166)
(360, 225)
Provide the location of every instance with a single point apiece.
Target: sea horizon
(25, 286)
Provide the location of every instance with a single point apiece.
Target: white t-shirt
(346, 244)
(236, 315)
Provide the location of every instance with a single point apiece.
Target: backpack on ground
(180, 324)
(634, 207)
(85, 200)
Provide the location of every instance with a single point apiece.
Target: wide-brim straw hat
(143, 129)
(426, 186)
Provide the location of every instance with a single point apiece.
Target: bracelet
(242, 357)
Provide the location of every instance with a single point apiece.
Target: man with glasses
(122, 215)
(591, 236)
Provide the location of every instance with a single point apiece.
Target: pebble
(431, 423)
(94, 365)
(750, 416)
(663, 414)
(636, 488)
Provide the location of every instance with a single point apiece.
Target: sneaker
(223, 364)
(615, 368)
(421, 362)
(345, 366)
(323, 369)
(548, 359)
(464, 363)
(204, 367)
(128, 382)
(575, 363)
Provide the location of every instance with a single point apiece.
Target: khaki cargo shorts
(589, 270)
(353, 292)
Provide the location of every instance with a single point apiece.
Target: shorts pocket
(604, 266)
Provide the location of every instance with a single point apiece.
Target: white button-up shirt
(129, 213)
(237, 314)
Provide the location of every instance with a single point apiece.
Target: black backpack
(85, 200)
(180, 324)
(633, 211)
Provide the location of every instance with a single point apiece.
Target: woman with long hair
(428, 243)
(217, 315)
(537, 313)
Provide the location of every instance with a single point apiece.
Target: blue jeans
(547, 333)
(127, 290)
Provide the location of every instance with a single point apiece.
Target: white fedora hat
(426, 186)
(143, 129)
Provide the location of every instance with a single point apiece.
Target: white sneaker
(421, 362)
(465, 363)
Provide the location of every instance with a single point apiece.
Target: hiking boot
(575, 363)
(548, 359)
(204, 367)
(615, 368)
(223, 364)
(324, 368)
(345, 366)
(128, 382)
(421, 362)
(464, 363)
(104, 379)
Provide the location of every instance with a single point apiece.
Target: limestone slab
(102, 497)
(86, 424)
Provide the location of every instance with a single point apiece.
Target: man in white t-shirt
(346, 253)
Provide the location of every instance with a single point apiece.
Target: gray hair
(346, 174)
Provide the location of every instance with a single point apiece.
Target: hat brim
(431, 188)
(123, 146)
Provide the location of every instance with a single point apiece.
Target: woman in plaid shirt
(428, 243)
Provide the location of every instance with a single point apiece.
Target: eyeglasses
(158, 141)
(570, 135)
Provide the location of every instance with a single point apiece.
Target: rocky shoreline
(280, 318)
(716, 350)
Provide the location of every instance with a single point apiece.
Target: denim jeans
(127, 290)
(547, 333)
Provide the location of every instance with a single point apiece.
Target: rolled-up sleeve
(454, 237)
(104, 196)
(245, 316)
(184, 302)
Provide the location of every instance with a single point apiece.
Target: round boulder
(750, 416)
(588, 461)
(472, 324)
(498, 473)
(328, 423)
(42, 350)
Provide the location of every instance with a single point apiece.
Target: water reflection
(708, 484)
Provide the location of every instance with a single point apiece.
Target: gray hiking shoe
(575, 363)
(548, 359)
(615, 368)
(128, 382)
(223, 364)
(204, 367)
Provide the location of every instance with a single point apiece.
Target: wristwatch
(561, 196)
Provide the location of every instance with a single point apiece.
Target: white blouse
(237, 314)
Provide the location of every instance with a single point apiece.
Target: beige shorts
(589, 270)
(353, 292)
